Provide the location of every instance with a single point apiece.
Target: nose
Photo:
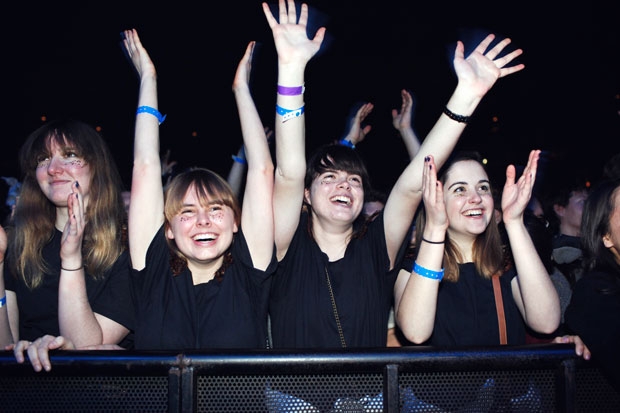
(344, 183)
(475, 198)
(203, 218)
(55, 166)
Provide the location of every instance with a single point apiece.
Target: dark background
(61, 60)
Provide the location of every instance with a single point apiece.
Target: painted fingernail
(427, 158)
(77, 184)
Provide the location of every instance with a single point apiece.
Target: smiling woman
(202, 264)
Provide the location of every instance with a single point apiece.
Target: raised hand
(73, 232)
(481, 69)
(432, 194)
(137, 53)
(516, 195)
(357, 133)
(289, 34)
(402, 119)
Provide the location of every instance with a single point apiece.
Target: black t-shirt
(38, 308)
(301, 310)
(466, 313)
(174, 314)
(594, 315)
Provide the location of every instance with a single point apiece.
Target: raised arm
(415, 296)
(476, 76)
(294, 49)
(257, 210)
(75, 316)
(532, 289)
(401, 120)
(356, 132)
(146, 208)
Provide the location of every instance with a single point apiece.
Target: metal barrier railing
(532, 378)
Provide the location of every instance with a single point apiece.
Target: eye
(186, 211)
(459, 189)
(215, 208)
(71, 154)
(484, 189)
(328, 177)
(43, 160)
(356, 180)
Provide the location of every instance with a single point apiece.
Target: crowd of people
(297, 250)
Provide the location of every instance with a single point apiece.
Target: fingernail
(427, 158)
(77, 184)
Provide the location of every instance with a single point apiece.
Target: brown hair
(210, 188)
(32, 224)
(488, 252)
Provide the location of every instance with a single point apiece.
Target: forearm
(75, 317)
(6, 337)
(416, 306)
(537, 297)
(411, 141)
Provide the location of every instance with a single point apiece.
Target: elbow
(548, 324)
(414, 335)
(550, 327)
(416, 338)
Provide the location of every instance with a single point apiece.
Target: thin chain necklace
(331, 295)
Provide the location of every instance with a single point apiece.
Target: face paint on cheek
(75, 163)
(217, 216)
(183, 219)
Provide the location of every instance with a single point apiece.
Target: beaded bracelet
(151, 111)
(425, 272)
(288, 114)
(454, 116)
(346, 142)
(2, 301)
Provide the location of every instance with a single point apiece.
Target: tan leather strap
(499, 304)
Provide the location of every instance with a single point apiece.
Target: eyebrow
(465, 183)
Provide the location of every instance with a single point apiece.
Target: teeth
(473, 213)
(204, 237)
(344, 199)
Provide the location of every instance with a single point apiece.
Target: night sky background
(66, 61)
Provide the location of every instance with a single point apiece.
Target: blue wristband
(239, 159)
(2, 301)
(425, 272)
(289, 113)
(348, 143)
(151, 111)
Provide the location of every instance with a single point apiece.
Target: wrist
(346, 142)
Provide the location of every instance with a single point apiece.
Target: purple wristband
(291, 90)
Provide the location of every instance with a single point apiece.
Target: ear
(497, 215)
(235, 228)
(559, 210)
(307, 196)
(169, 233)
(607, 241)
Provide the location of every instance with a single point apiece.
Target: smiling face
(202, 231)
(57, 171)
(468, 199)
(336, 196)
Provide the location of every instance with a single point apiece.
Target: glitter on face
(69, 160)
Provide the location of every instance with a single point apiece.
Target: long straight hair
(32, 225)
(489, 255)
